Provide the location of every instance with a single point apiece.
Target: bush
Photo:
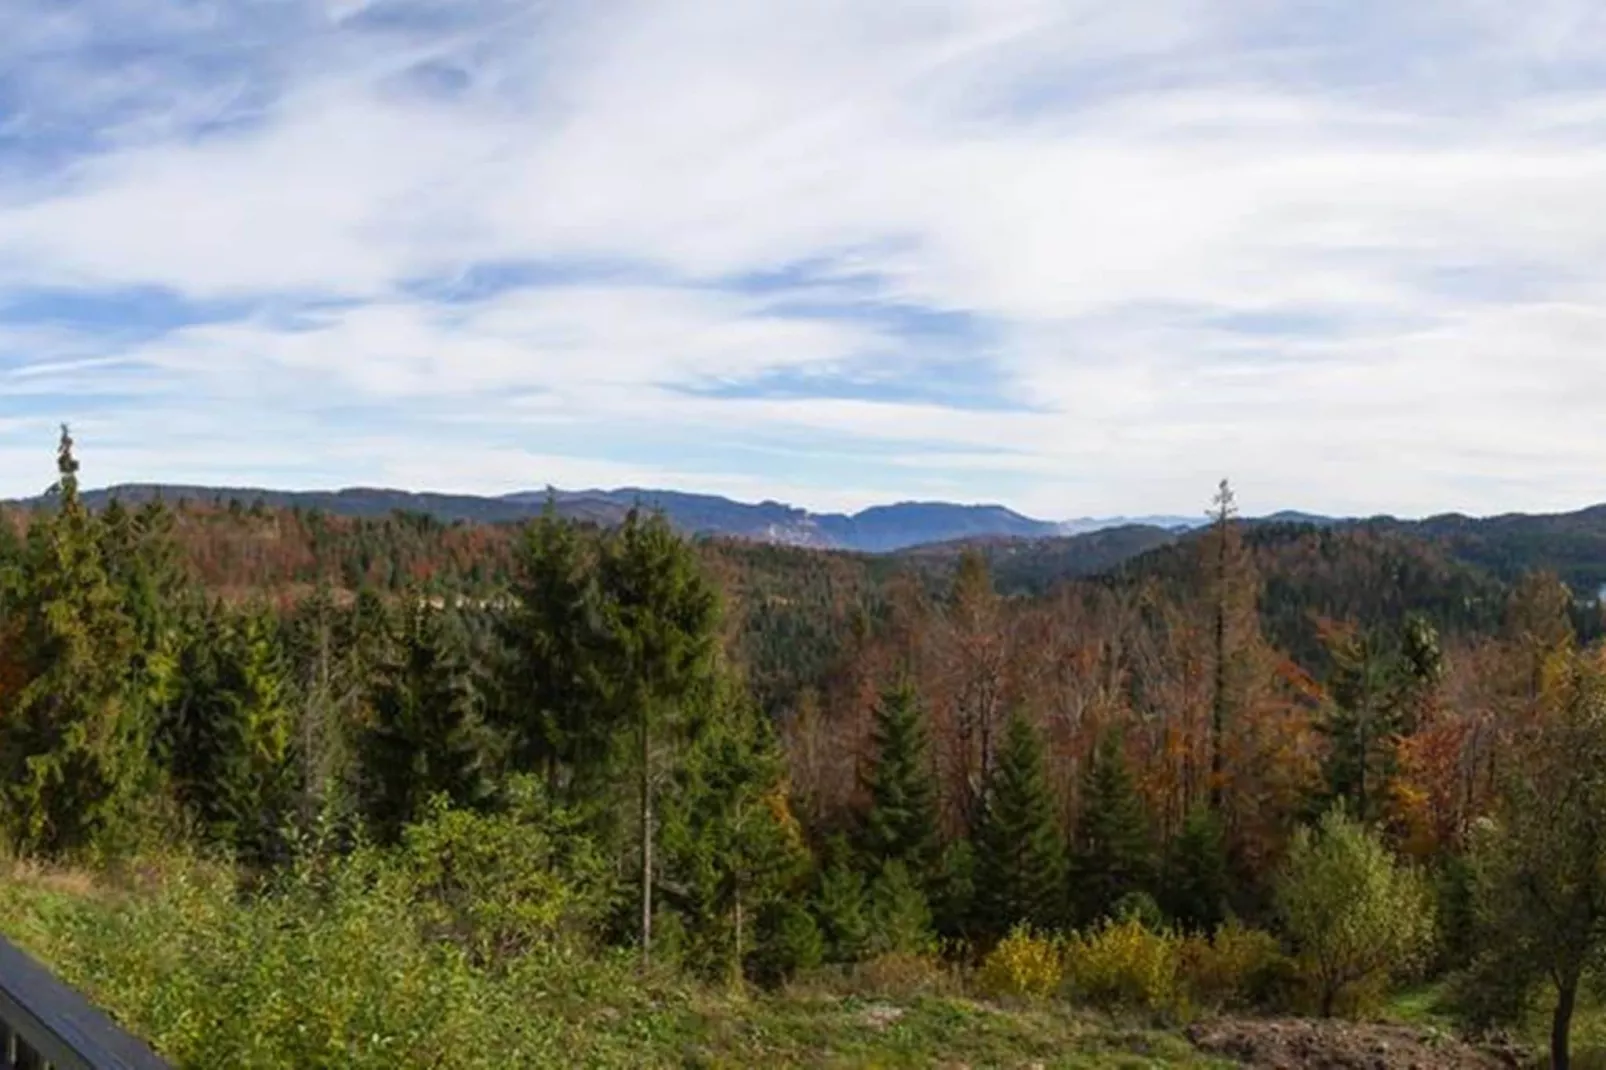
(1237, 968)
(1023, 965)
(1141, 908)
(1354, 914)
(902, 975)
(1124, 964)
(501, 884)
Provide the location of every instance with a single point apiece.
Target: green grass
(346, 981)
(1426, 1006)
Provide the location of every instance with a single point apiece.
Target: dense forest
(1277, 768)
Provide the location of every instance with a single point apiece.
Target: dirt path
(1297, 1044)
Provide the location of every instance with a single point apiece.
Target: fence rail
(45, 1025)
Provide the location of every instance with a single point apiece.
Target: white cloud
(1105, 187)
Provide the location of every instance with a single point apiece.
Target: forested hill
(1026, 555)
(750, 762)
(878, 529)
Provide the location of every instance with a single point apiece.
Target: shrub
(501, 884)
(1141, 908)
(1354, 914)
(1023, 965)
(1124, 964)
(1234, 969)
(902, 975)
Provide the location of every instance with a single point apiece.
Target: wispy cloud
(1078, 257)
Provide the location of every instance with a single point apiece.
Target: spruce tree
(1112, 853)
(729, 843)
(549, 699)
(656, 657)
(227, 740)
(425, 739)
(900, 913)
(901, 824)
(1020, 846)
(73, 747)
(841, 905)
(1195, 886)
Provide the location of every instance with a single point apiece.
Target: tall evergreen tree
(550, 700)
(1377, 689)
(227, 740)
(1020, 846)
(73, 747)
(731, 846)
(1196, 885)
(1112, 854)
(901, 824)
(425, 739)
(1232, 584)
(656, 656)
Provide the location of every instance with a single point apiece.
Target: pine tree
(1196, 886)
(227, 741)
(425, 739)
(901, 824)
(1232, 595)
(729, 843)
(1020, 847)
(73, 747)
(549, 699)
(841, 905)
(900, 913)
(656, 656)
(1373, 689)
(1112, 853)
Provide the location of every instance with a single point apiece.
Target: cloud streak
(1076, 257)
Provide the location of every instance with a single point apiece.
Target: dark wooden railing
(44, 1025)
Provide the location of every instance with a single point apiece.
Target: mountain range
(878, 529)
(1025, 552)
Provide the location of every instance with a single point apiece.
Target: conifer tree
(656, 656)
(1112, 854)
(425, 739)
(901, 824)
(900, 913)
(1229, 583)
(73, 748)
(1020, 846)
(1195, 886)
(549, 699)
(841, 905)
(1376, 689)
(228, 739)
(730, 844)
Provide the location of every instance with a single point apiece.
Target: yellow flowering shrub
(1124, 964)
(1023, 965)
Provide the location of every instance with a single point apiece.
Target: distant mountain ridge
(1571, 544)
(878, 529)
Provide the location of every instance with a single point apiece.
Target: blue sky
(1079, 258)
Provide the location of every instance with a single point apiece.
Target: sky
(1077, 258)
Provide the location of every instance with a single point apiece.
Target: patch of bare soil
(1300, 1044)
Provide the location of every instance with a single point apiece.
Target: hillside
(878, 529)
(1026, 554)
(858, 775)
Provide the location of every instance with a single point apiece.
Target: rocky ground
(1331, 1045)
